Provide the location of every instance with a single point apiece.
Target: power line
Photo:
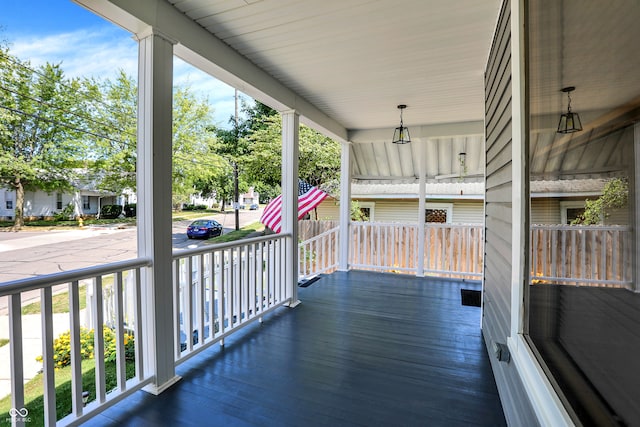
(33, 70)
(37, 117)
(40, 101)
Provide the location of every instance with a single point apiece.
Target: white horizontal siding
(468, 212)
(406, 211)
(545, 211)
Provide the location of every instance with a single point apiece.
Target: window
(9, 204)
(438, 212)
(363, 211)
(571, 211)
(436, 215)
(85, 202)
(582, 302)
(59, 201)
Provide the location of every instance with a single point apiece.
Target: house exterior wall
(406, 211)
(43, 204)
(497, 282)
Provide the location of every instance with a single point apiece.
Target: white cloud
(101, 52)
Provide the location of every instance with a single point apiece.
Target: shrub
(62, 346)
(110, 211)
(130, 210)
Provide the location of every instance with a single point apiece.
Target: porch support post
(290, 150)
(422, 204)
(345, 206)
(635, 188)
(155, 81)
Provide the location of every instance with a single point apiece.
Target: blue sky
(59, 31)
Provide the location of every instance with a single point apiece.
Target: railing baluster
(121, 365)
(48, 363)
(76, 358)
(200, 298)
(137, 325)
(98, 338)
(15, 343)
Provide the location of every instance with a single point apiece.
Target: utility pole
(236, 191)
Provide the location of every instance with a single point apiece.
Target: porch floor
(362, 349)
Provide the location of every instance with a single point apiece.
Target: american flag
(308, 198)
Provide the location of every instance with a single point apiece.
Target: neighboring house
(249, 198)
(198, 199)
(86, 200)
(457, 203)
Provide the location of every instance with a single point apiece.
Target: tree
(113, 147)
(194, 161)
(114, 150)
(319, 155)
(40, 125)
(615, 195)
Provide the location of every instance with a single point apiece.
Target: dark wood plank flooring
(363, 349)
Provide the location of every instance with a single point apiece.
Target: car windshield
(198, 223)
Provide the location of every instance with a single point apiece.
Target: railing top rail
(220, 246)
(581, 227)
(33, 283)
(320, 236)
(415, 225)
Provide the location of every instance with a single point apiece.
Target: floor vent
(471, 298)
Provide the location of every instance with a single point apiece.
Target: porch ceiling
(353, 61)
(357, 60)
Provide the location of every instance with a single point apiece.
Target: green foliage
(357, 214)
(190, 207)
(615, 195)
(65, 214)
(319, 155)
(41, 115)
(110, 345)
(62, 348)
(110, 211)
(130, 210)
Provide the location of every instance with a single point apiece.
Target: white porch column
(422, 194)
(290, 150)
(345, 206)
(155, 81)
(635, 204)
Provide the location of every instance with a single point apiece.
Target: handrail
(227, 245)
(34, 283)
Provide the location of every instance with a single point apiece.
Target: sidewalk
(31, 346)
(27, 240)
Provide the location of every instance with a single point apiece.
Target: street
(29, 254)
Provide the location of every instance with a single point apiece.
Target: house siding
(499, 223)
(406, 211)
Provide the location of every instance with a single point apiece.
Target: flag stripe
(308, 198)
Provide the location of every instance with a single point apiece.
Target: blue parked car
(204, 228)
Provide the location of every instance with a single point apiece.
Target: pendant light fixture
(569, 122)
(401, 134)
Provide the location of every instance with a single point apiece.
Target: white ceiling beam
(200, 48)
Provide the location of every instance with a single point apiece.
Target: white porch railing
(318, 254)
(221, 288)
(123, 279)
(593, 255)
(451, 250)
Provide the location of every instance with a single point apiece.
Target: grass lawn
(238, 234)
(33, 390)
(184, 215)
(60, 303)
